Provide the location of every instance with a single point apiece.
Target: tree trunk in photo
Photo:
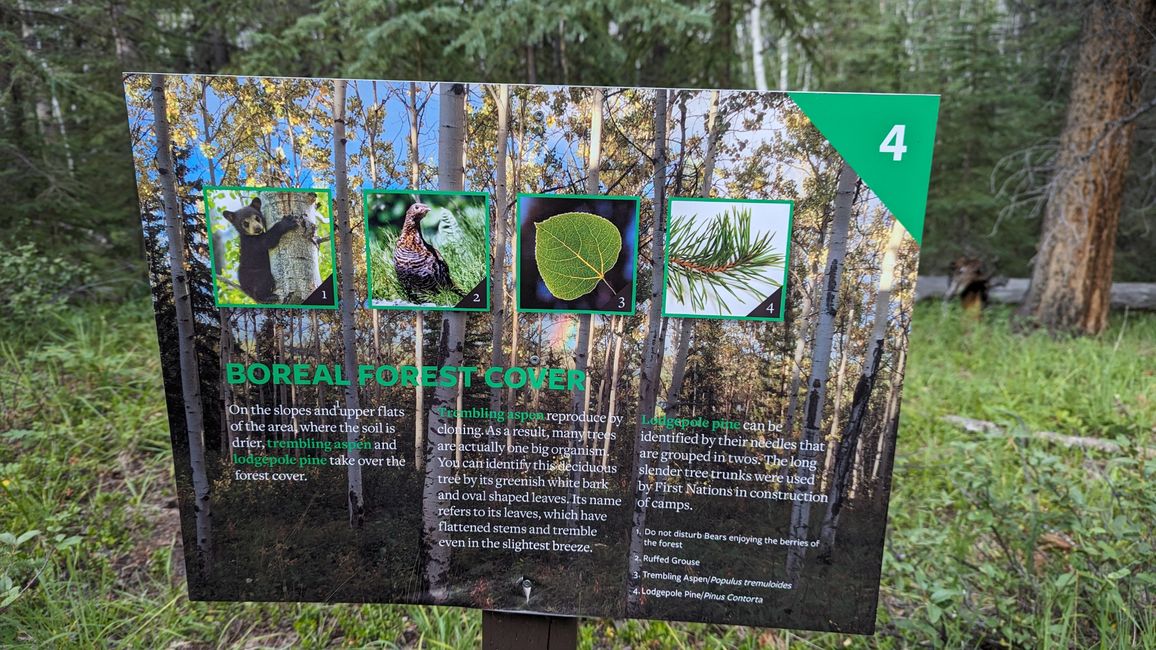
(186, 334)
(760, 67)
(579, 397)
(418, 316)
(294, 260)
(820, 362)
(840, 382)
(618, 335)
(885, 449)
(451, 343)
(652, 351)
(848, 445)
(686, 325)
(225, 315)
(1072, 274)
(348, 300)
(501, 222)
(651, 360)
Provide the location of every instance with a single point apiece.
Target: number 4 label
(893, 143)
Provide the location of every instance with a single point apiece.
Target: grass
(993, 541)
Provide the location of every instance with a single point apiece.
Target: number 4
(893, 143)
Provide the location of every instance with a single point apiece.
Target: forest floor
(994, 540)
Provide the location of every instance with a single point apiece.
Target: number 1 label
(893, 143)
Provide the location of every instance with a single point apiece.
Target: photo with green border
(727, 258)
(271, 247)
(576, 253)
(427, 250)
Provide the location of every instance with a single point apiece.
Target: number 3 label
(893, 143)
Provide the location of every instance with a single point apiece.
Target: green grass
(88, 535)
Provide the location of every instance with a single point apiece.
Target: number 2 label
(893, 143)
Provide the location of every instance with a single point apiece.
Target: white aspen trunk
(186, 334)
(225, 315)
(840, 383)
(501, 222)
(293, 260)
(652, 352)
(884, 450)
(348, 301)
(820, 361)
(458, 422)
(784, 47)
(418, 316)
(579, 400)
(759, 65)
(651, 360)
(618, 336)
(451, 176)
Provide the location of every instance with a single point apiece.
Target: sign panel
(616, 352)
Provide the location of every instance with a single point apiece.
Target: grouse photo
(427, 250)
(421, 270)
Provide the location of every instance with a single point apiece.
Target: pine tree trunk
(686, 325)
(820, 361)
(451, 176)
(348, 301)
(186, 334)
(1072, 274)
(848, 445)
(293, 260)
(651, 358)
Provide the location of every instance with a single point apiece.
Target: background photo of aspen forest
(371, 533)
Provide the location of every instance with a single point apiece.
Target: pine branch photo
(720, 262)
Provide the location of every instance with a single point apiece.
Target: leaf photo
(577, 253)
(727, 258)
(427, 249)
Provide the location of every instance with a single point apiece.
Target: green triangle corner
(857, 124)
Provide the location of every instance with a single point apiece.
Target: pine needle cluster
(719, 257)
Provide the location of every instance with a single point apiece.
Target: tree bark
(418, 316)
(501, 219)
(848, 444)
(651, 359)
(186, 333)
(820, 362)
(1072, 274)
(294, 260)
(578, 400)
(348, 301)
(451, 343)
(759, 66)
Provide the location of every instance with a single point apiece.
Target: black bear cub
(254, 274)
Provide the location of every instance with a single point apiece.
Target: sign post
(503, 630)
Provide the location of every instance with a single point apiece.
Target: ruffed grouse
(421, 270)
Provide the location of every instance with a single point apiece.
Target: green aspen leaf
(574, 251)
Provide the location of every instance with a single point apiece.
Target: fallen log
(1083, 442)
(1131, 295)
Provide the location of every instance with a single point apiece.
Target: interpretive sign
(618, 352)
